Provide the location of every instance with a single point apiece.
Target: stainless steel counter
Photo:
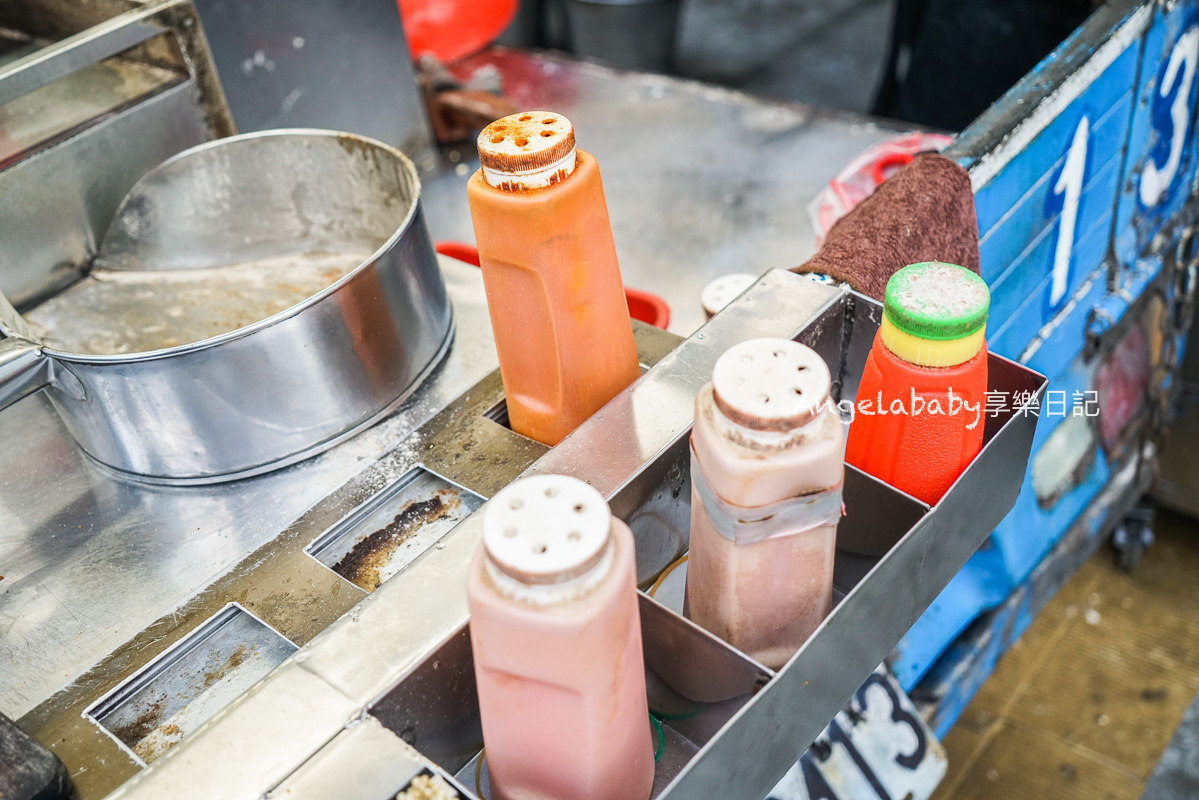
(88, 561)
(700, 182)
(102, 578)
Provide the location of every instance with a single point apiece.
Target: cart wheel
(1134, 536)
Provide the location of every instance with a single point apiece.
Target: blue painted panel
(1014, 549)
(1133, 282)
(993, 201)
(1014, 336)
(1002, 245)
(1019, 214)
(1028, 531)
(1029, 278)
(1067, 338)
(1153, 150)
(982, 583)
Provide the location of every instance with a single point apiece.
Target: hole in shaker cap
(539, 548)
(580, 508)
(547, 134)
(516, 504)
(765, 398)
(526, 118)
(548, 121)
(497, 138)
(551, 492)
(574, 536)
(521, 142)
(748, 358)
(509, 532)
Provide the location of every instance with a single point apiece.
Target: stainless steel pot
(279, 388)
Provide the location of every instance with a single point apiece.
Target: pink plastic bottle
(557, 647)
(766, 474)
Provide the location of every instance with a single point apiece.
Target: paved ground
(1177, 774)
(1087, 701)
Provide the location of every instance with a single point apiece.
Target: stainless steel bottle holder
(388, 690)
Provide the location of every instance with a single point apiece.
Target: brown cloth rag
(924, 212)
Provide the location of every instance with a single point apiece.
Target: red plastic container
(918, 416)
(643, 306)
(452, 29)
(918, 453)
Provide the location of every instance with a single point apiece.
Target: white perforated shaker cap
(546, 529)
(770, 384)
(724, 290)
(527, 151)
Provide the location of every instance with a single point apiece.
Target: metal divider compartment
(153, 709)
(695, 682)
(385, 534)
(883, 557)
(404, 654)
(894, 552)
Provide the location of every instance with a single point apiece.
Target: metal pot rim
(285, 314)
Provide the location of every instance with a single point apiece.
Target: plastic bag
(860, 178)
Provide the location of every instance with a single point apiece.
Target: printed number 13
(1069, 183)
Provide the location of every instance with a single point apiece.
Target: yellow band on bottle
(927, 352)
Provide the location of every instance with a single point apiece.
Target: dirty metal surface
(59, 109)
(89, 561)
(153, 709)
(332, 773)
(110, 87)
(277, 580)
(700, 181)
(114, 312)
(370, 546)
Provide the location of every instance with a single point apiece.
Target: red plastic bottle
(919, 413)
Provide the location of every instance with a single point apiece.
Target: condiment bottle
(766, 475)
(724, 290)
(557, 646)
(557, 304)
(918, 417)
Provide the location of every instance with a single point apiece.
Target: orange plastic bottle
(557, 304)
(556, 634)
(918, 418)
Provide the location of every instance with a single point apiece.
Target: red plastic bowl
(649, 308)
(459, 250)
(643, 306)
(452, 29)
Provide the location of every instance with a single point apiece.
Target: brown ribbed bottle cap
(530, 150)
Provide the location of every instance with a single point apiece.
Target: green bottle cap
(937, 301)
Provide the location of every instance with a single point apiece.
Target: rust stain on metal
(151, 733)
(143, 724)
(362, 565)
(235, 660)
